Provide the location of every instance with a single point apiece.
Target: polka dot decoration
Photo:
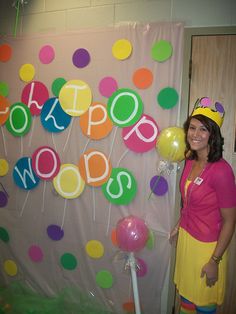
(68, 261)
(104, 279)
(5, 52)
(46, 54)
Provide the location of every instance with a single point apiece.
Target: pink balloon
(131, 234)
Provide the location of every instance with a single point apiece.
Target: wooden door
(213, 74)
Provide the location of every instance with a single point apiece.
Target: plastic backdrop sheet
(80, 114)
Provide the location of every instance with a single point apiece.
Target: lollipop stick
(132, 264)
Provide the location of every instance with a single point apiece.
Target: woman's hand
(211, 271)
(173, 234)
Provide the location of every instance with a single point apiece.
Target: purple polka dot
(219, 107)
(55, 232)
(159, 185)
(81, 58)
(107, 86)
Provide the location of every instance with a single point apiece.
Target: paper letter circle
(46, 163)
(4, 109)
(95, 122)
(19, 120)
(121, 187)
(34, 95)
(141, 137)
(75, 97)
(95, 168)
(68, 182)
(53, 117)
(125, 107)
(23, 174)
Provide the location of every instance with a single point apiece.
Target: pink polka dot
(206, 102)
(46, 54)
(107, 86)
(35, 253)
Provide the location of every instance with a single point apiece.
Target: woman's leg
(209, 309)
(186, 307)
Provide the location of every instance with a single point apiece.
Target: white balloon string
(109, 219)
(31, 133)
(53, 141)
(86, 145)
(23, 207)
(122, 156)
(68, 135)
(64, 214)
(21, 146)
(94, 205)
(4, 142)
(44, 190)
(112, 143)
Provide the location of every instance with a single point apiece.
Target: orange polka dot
(129, 307)
(113, 237)
(142, 78)
(5, 53)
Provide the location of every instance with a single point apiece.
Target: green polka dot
(151, 240)
(57, 85)
(68, 261)
(4, 236)
(167, 98)
(4, 89)
(161, 50)
(104, 279)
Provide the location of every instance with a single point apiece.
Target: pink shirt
(214, 189)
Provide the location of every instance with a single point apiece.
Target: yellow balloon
(171, 144)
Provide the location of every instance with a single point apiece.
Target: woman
(208, 215)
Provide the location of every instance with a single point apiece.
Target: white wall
(50, 16)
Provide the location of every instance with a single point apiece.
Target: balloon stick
(132, 265)
(154, 186)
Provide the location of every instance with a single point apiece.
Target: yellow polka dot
(4, 167)
(94, 249)
(27, 72)
(10, 267)
(122, 49)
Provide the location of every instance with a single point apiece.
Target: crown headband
(202, 107)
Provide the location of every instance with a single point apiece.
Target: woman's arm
(228, 227)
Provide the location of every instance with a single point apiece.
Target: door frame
(188, 34)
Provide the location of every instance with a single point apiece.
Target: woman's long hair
(216, 141)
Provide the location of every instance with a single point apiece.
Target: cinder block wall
(50, 16)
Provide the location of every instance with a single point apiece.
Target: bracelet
(216, 259)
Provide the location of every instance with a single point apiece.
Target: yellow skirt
(191, 256)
